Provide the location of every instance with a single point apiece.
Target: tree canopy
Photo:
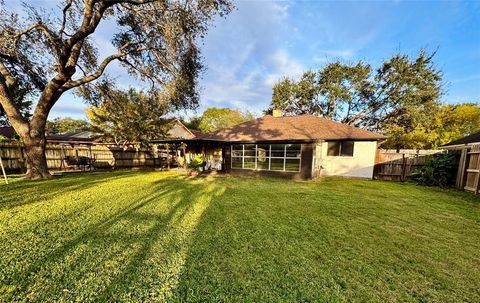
(65, 125)
(447, 123)
(130, 117)
(401, 98)
(215, 118)
(400, 92)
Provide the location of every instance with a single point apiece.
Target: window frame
(269, 157)
(341, 142)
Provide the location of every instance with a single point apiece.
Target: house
(299, 147)
(179, 131)
(77, 136)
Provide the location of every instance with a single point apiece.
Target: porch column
(184, 155)
(168, 156)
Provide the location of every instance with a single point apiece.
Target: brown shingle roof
(473, 138)
(291, 128)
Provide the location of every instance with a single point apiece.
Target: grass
(155, 236)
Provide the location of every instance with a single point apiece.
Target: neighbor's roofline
(183, 125)
(458, 146)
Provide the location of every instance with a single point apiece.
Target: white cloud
(246, 54)
(284, 66)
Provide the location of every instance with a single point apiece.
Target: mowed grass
(156, 236)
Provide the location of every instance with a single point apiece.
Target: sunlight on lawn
(160, 236)
(135, 237)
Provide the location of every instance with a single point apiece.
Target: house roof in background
(77, 135)
(7, 132)
(180, 131)
(473, 138)
(291, 128)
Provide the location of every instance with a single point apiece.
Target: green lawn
(156, 236)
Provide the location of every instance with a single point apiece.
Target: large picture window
(340, 148)
(276, 157)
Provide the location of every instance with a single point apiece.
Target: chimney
(277, 113)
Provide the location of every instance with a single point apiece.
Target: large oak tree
(47, 53)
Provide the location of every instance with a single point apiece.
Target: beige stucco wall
(360, 165)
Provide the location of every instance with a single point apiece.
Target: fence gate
(469, 170)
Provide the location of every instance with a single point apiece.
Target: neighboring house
(179, 131)
(7, 132)
(302, 147)
(77, 136)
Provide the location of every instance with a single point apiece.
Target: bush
(196, 163)
(438, 171)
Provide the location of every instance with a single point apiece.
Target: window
(340, 148)
(276, 157)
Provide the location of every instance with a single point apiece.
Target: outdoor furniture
(81, 162)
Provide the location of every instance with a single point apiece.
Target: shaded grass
(153, 236)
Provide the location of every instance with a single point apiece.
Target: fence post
(461, 169)
(404, 168)
(477, 179)
(3, 170)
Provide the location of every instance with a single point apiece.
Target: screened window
(276, 157)
(340, 148)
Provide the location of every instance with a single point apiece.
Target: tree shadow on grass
(27, 192)
(136, 254)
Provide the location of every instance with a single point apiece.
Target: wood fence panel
(472, 171)
(104, 156)
(398, 166)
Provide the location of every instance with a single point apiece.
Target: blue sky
(261, 41)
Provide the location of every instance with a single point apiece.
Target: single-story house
(301, 147)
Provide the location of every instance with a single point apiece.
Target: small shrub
(196, 163)
(438, 171)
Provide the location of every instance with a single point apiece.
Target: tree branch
(52, 38)
(95, 75)
(101, 68)
(14, 115)
(9, 80)
(64, 20)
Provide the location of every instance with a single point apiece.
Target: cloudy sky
(262, 41)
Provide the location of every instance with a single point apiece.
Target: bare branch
(64, 20)
(53, 39)
(101, 68)
(89, 78)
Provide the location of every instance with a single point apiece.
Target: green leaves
(438, 171)
(218, 118)
(402, 92)
(130, 116)
(65, 125)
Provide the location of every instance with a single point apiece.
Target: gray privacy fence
(81, 157)
(399, 165)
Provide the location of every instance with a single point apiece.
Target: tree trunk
(35, 157)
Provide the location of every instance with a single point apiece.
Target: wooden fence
(468, 176)
(99, 155)
(395, 165)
